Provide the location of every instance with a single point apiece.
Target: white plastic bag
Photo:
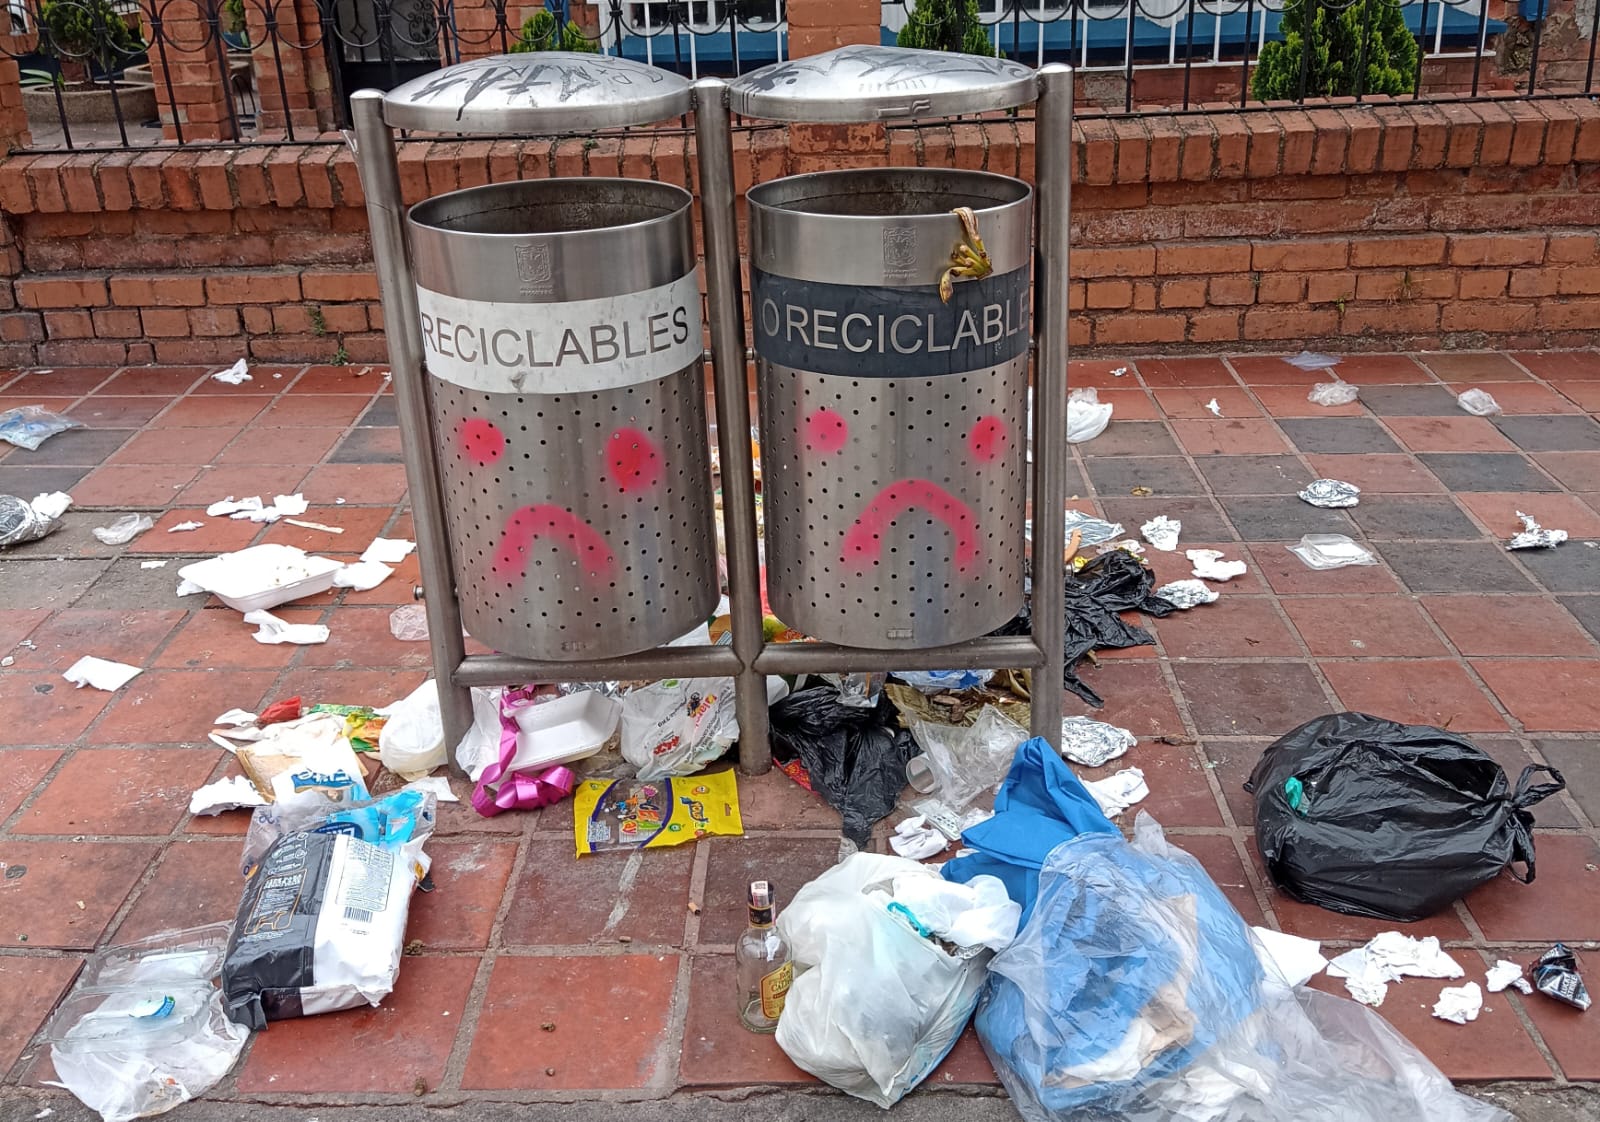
(1332, 393)
(412, 741)
(1086, 417)
(678, 726)
(966, 761)
(1479, 403)
(876, 1004)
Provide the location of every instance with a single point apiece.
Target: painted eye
(481, 441)
(634, 462)
(989, 439)
(826, 432)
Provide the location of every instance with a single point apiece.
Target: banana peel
(969, 260)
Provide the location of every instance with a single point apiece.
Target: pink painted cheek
(634, 462)
(826, 432)
(481, 441)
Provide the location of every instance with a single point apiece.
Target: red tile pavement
(1416, 693)
(609, 1014)
(1509, 625)
(128, 791)
(404, 1043)
(29, 990)
(1546, 695)
(1363, 627)
(519, 932)
(1572, 1037)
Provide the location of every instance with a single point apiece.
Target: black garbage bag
(1111, 583)
(856, 755)
(1373, 818)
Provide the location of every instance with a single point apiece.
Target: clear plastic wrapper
(1332, 393)
(1331, 551)
(1479, 403)
(967, 761)
(1135, 993)
(29, 426)
(937, 681)
(123, 530)
(1311, 360)
(857, 689)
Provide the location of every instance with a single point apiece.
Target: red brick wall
(1390, 226)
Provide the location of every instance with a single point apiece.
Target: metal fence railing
(117, 57)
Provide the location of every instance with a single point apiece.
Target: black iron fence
(118, 73)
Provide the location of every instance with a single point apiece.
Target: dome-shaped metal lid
(865, 83)
(539, 92)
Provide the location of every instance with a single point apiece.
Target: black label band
(862, 331)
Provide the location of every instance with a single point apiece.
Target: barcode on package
(366, 886)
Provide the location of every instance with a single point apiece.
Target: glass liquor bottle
(765, 968)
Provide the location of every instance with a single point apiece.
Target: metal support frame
(749, 659)
(380, 183)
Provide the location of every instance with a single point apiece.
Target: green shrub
(946, 25)
(78, 32)
(1336, 52)
(541, 32)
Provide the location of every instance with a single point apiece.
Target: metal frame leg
(724, 299)
(1053, 181)
(380, 182)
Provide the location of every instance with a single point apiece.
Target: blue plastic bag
(1040, 805)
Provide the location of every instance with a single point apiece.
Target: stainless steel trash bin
(893, 422)
(562, 345)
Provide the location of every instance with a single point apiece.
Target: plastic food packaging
(610, 815)
(145, 1030)
(1330, 551)
(937, 681)
(22, 521)
(262, 576)
(1087, 418)
(1091, 530)
(1134, 992)
(858, 689)
(1311, 360)
(29, 426)
(363, 725)
(889, 962)
(856, 758)
(123, 530)
(1479, 403)
(411, 743)
(678, 726)
(306, 757)
(1368, 817)
(1332, 393)
(1556, 975)
(399, 822)
(968, 760)
(321, 927)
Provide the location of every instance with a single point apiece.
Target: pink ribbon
(500, 789)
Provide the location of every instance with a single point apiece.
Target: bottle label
(774, 988)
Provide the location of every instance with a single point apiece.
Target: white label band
(567, 347)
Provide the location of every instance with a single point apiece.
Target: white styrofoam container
(262, 576)
(565, 729)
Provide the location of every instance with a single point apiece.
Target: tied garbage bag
(890, 961)
(1111, 583)
(1373, 818)
(1135, 993)
(856, 757)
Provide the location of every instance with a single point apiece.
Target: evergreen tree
(1336, 39)
(946, 25)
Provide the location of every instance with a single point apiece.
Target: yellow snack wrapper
(612, 814)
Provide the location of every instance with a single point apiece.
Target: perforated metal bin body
(562, 341)
(893, 425)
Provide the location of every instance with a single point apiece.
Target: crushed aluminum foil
(1535, 536)
(1162, 532)
(1091, 743)
(1127, 545)
(1186, 594)
(1092, 530)
(1331, 493)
